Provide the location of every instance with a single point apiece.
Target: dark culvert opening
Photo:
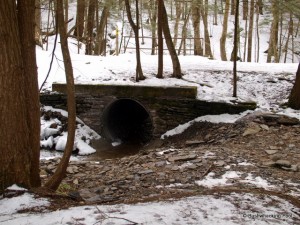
(127, 121)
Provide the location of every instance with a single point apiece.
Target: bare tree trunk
(152, 9)
(135, 28)
(294, 99)
(177, 20)
(184, 33)
(224, 32)
(290, 33)
(78, 32)
(38, 35)
(196, 26)
(235, 48)
(257, 32)
(245, 9)
(54, 181)
(100, 39)
(19, 108)
(251, 21)
(90, 27)
(166, 30)
(215, 13)
(232, 9)
(273, 41)
(66, 8)
(160, 39)
(207, 50)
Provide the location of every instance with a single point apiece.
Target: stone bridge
(131, 113)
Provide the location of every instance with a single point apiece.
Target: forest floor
(258, 154)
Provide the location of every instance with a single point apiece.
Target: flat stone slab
(131, 90)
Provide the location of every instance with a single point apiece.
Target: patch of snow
(222, 118)
(9, 206)
(15, 187)
(258, 182)
(210, 181)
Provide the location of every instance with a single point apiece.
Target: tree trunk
(166, 30)
(135, 28)
(215, 13)
(207, 50)
(177, 20)
(54, 182)
(78, 32)
(290, 33)
(273, 41)
(38, 34)
(235, 48)
(90, 27)
(232, 9)
(224, 32)
(196, 26)
(160, 39)
(19, 108)
(245, 9)
(101, 41)
(294, 99)
(251, 22)
(152, 9)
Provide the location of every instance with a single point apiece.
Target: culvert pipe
(128, 121)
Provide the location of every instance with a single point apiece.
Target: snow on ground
(211, 209)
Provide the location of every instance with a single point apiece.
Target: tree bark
(207, 50)
(177, 20)
(135, 28)
(251, 22)
(152, 9)
(78, 32)
(160, 38)
(19, 108)
(100, 30)
(168, 38)
(90, 27)
(235, 48)
(273, 41)
(54, 182)
(294, 99)
(224, 32)
(196, 26)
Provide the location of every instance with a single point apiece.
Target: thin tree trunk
(235, 49)
(290, 33)
(160, 39)
(54, 181)
(207, 50)
(90, 27)
(196, 27)
(245, 9)
(273, 41)
(78, 32)
(100, 39)
(184, 33)
(251, 21)
(224, 32)
(38, 35)
(152, 10)
(166, 30)
(177, 20)
(215, 13)
(135, 28)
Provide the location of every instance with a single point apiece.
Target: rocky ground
(260, 148)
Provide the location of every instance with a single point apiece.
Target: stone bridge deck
(137, 112)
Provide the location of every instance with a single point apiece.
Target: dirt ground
(265, 147)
